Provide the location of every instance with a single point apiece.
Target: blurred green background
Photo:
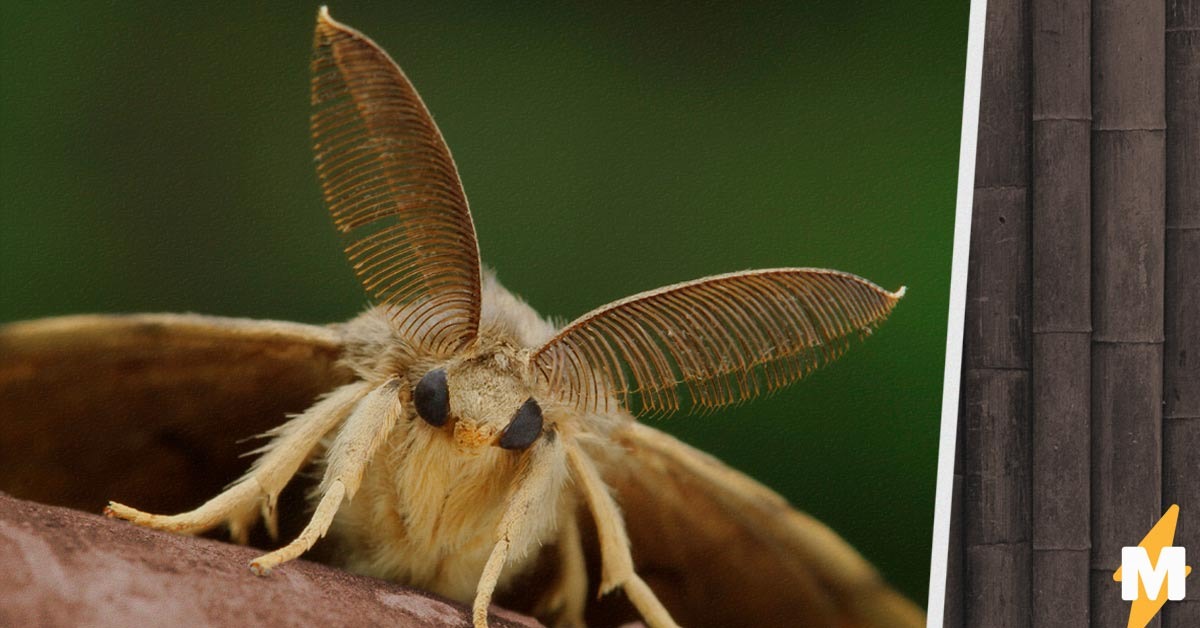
(156, 158)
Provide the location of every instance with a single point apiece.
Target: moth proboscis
(465, 444)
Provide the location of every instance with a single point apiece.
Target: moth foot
(265, 564)
(236, 508)
(116, 510)
(258, 568)
(316, 528)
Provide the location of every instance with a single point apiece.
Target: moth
(466, 445)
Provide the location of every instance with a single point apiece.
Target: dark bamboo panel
(1127, 64)
(996, 497)
(1182, 325)
(1128, 223)
(1003, 157)
(1181, 365)
(1060, 594)
(1128, 196)
(998, 586)
(954, 613)
(1061, 441)
(952, 616)
(1181, 436)
(994, 430)
(1061, 312)
(1061, 489)
(1126, 463)
(998, 281)
(1181, 484)
(1182, 375)
(1107, 608)
(1062, 58)
(1184, 614)
(1126, 449)
(1112, 240)
(1183, 14)
(1183, 211)
(1183, 118)
(1181, 382)
(1128, 243)
(1062, 229)
(996, 443)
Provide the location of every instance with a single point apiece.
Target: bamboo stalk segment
(1060, 587)
(1181, 324)
(995, 418)
(1181, 468)
(1126, 462)
(996, 497)
(1062, 314)
(993, 600)
(1061, 479)
(1127, 65)
(1061, 449)
(1003, 158)
(1183, 116)
(1128, 239)
(1061, 39)
(996, 435)
(1109, 612)
(1061, 217)
(1128, 236)
(994, 429)
(998, 282)
(953, 614)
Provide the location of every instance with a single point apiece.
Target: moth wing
(148, 409)
(720, 549)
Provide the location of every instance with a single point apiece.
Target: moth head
(483, 400)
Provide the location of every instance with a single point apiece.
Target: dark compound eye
(524, 428)
(432, 398)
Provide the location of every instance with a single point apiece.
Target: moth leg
(238, 506)
(543, 468)
(568, 596)
(616, 569)
(355, 444)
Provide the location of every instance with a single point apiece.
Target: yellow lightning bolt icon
(1143, 609)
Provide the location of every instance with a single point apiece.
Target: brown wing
(148, 409)
(720, 549)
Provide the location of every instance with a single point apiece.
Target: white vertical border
(954, 330)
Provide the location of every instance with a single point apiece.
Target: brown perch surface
(62, 567)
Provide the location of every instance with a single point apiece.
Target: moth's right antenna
(393, 190)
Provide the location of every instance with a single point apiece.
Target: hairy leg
(616, 562)
(352, 449)
(534, 483)
(567, 597)
(291, 445)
